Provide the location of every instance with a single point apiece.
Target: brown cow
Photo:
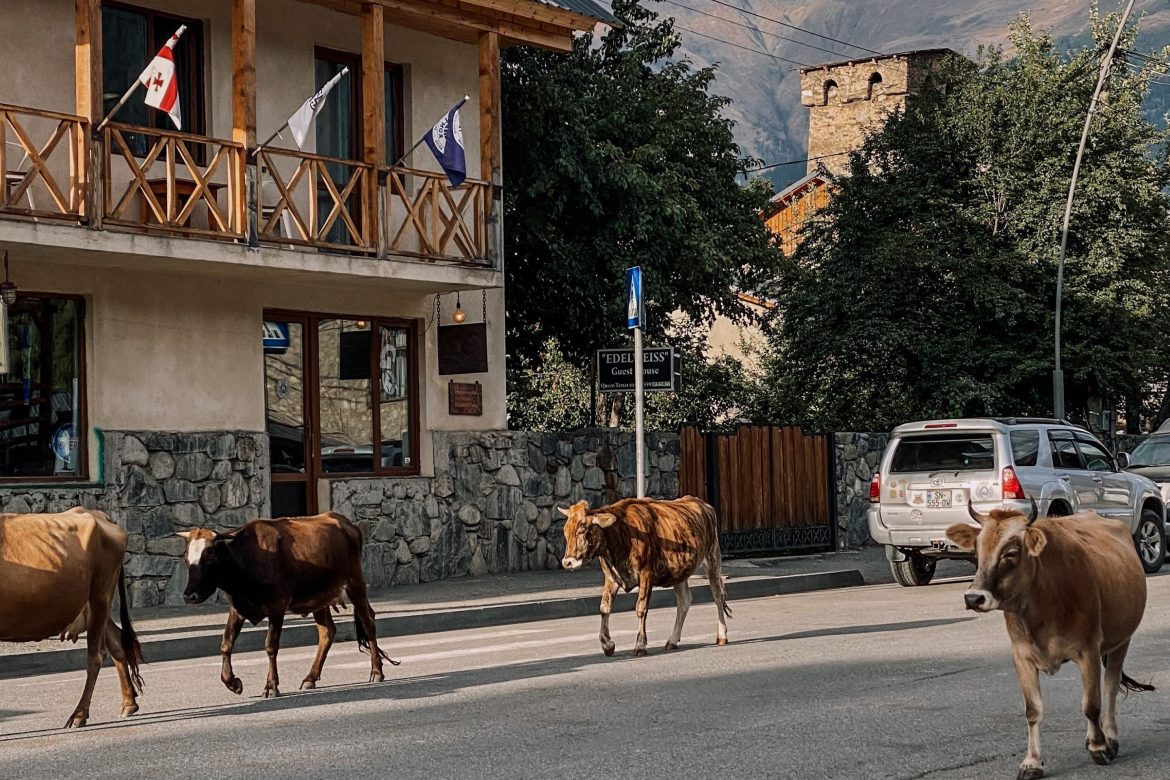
(645, 543)
(1071, 589)
(56, 569)
(272, 567)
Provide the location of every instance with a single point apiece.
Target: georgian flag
(299, 122)
(446, 142)
(161, 82)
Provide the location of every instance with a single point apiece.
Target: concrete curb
(205, 642)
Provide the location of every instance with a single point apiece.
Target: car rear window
(1025, 447)
(950, 452)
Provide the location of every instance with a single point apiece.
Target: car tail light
(1011, 484)
(875, 489)
(941, 425)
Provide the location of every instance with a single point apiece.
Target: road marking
(488, 649)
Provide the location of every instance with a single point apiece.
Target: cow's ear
(1034, 541)
(604, 520)
(963, 535)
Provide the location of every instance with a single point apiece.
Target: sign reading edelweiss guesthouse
(661, 370)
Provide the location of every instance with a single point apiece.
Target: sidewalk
(172, 633)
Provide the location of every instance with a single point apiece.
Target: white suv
(930, 470)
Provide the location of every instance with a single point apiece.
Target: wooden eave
(517, 22)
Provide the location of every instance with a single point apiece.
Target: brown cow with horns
(1071, 589)
(644, 543)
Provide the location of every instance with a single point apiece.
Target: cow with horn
(1071, 589)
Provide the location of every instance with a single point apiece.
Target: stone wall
(857, 457)
(491, 507)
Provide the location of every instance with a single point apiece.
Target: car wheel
(915, 570)
(1151, 541)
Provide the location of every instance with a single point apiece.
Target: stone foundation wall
(857, 457)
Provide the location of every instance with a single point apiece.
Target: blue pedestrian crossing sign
(634, 297)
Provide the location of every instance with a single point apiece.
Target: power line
(745, 48)
(755, 29)
(794, 162)
(795, 27)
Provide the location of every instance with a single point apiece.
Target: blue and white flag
(446, 141)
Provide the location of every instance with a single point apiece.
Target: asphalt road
(871, 682)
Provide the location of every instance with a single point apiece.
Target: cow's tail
(363, 641)
(130, 645)
(1132, 685)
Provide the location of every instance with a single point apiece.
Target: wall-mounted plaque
(465, 398)
(463, 349)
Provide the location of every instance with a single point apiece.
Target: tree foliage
(926, 289)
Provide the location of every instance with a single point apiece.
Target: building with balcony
(205, 330)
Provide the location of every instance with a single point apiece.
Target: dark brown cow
(58, 573)
(643, 544)
(1071, 589)
(272, 567)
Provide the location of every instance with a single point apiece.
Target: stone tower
(847, 100)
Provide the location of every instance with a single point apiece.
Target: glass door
(338, 132)
(288, 415)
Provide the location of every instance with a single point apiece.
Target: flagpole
(270, 139)
(118, 107)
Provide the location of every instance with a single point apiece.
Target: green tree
(618, 155)
(926, 289)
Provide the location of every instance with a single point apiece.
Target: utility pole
(1106, 66)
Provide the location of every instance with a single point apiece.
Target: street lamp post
(1057, 373)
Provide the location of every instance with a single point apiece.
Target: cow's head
(583, 536)
(1007, 548)
(204, 548)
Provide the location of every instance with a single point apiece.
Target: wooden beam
(532, 9)
(244, 72)
(489, 107)
(373, 113)
(87, 56)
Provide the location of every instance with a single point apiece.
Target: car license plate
(938, 499)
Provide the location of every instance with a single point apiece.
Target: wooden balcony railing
(312, 200)
(198, 191)
(43, 162)
(428, 219)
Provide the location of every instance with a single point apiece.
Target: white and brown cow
(1071, 589)
(644, 544)
(58, 574)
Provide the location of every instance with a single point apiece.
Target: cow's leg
(1112, 684)
(366, 626)
(114, 648)
(718, 593)
(682, 594)
(231, 630)
(608, 590)
(272, 646)
(642, 610)
(95, 641)
(1090, 666)
(326, 630)
(1029, 677)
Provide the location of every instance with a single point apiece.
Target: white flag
(161, 82)
(299, 122)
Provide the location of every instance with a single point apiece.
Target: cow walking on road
(58, 573)
(646, 543)
(1071, 589)
(302, 565)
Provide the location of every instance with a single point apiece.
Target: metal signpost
(634, 313)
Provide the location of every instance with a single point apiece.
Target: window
(131, 38)
(951, 453)
(875, 85)
(830, 90)
(1096, 457)
(1154, 451)
(42, 397)
(1064, 451)
(395, 113)
(1025, 447)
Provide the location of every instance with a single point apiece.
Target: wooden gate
(771, 486)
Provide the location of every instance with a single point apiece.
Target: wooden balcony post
(490, 140)
(243, 194)
(373, 118)
(87, 63)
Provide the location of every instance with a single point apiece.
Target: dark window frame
(1064, 436)
(397, 74)
(353, 84)
(81, 426)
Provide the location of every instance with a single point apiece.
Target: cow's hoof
(671, 646)
(235, 685)
(1100, 757)
(720, 641)
(129, 710)
(77, 720)
(308, 685)
(271, 693)
(608, 648)
(1113, 748)
(639, 652)
(377, 677)
(1030, 772)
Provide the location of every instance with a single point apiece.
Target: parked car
(931, 469)
(1151, 459)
